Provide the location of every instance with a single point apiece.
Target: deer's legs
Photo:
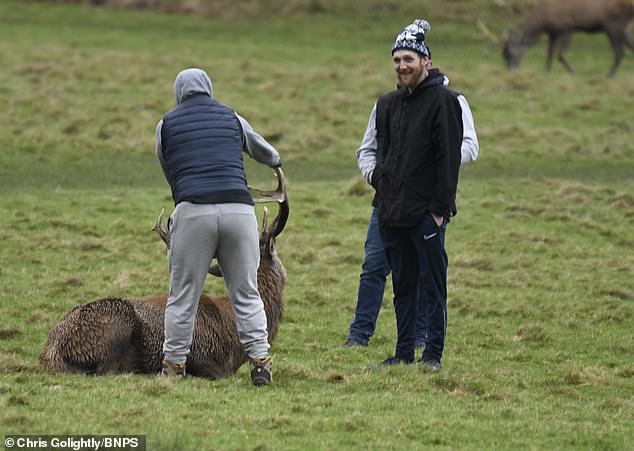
(552, 40)
(628, 39)
(563, 44)
(617, 39)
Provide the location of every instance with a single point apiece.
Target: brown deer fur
(560, 18)
(116, 335)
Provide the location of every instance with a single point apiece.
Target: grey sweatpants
(198, 232)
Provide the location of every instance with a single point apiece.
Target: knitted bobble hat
(413, 38)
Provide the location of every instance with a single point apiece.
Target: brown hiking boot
(262, 371)
(171, 369)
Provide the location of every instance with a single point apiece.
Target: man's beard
(410, 80)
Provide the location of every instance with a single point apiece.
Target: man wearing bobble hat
(419, 131)
(375, 267)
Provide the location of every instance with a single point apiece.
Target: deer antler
(491, 37)
(158, 228)
(277, 195)
(259, 195)
(280, 220)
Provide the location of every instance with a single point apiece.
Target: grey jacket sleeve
(159, 150)
(470, 146)
(366, 154)
(257, 147)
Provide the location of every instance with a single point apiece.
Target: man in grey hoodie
(199, 145)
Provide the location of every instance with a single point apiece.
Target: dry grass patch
(590, 375)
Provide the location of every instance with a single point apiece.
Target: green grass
(540, 348)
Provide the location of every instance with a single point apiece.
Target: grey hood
(192, 81)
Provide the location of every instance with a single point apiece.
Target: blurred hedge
(450, 9)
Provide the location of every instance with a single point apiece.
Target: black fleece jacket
(419, 135)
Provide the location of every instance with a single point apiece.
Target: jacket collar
(434, 78)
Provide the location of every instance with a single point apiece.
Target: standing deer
(115, 335)
(559, 19)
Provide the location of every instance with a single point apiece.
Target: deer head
(267, 234)
(513, 49)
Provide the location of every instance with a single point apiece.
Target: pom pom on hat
(413, 38)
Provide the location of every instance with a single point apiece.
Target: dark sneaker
(431, 366)
(351, 343)
(262, 371)
(171, 369)
(395, 361)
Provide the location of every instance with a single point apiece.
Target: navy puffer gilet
(202, 144)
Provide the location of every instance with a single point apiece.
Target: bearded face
(411, 68)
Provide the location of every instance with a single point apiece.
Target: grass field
(540, 347)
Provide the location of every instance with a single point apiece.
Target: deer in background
(559, 19)
(115, 335)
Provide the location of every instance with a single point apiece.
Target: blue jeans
(374, 271)
(419, 262)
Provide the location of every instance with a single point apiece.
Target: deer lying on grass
(115, 335)
(559, 19)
